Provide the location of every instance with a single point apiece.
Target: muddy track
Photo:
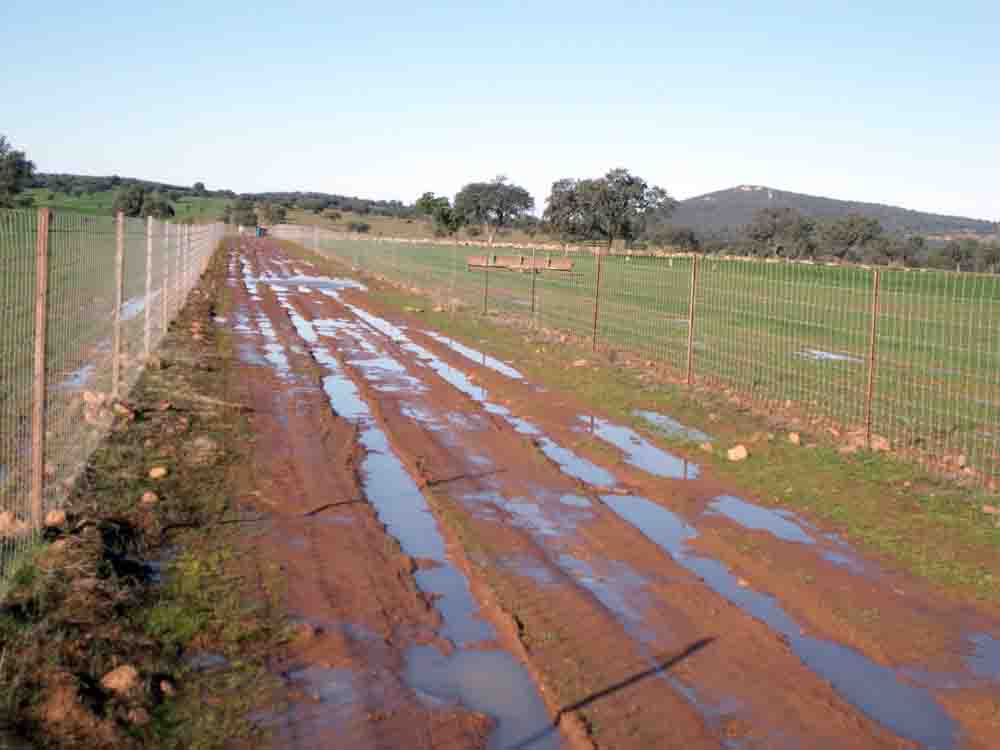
(469, 545)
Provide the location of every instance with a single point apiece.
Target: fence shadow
(654, 670)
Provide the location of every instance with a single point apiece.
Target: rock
(794, 438)
(742, 583)
(991, 510)
(149, 498)
(164, 406)
(707, 447)
(55, 518)
(203, 450)
(738, 453)
(580, 363)
(306, 631)
(158, 472)
(93, 399)
(10, 525)
(121, 681)
(167, 688)
(138, 716)
(879, 443)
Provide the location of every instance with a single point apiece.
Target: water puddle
(822, 356)
(985, 661)
(490, 682)
(751, 516)
(206, 661)
(672, 427)
(641, 453)
(133, 307)
(77, 379)
(480, 358)
(907, 710)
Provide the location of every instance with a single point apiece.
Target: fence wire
(906, 360)
(81, 252)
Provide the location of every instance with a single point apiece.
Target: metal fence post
(872, 334)
(692, 303)
(39, 385)
(597, 296)
(534, 273)
(149, 286)
(119, 284)
(165, 286)
(486, 282)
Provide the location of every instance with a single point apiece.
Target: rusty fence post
(692, 304)
(148, 308)
(597, 296)
(486, 282)
(534, 273)
(872, 370)
(39, 385)
(119, 285)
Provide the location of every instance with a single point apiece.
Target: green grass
(197, 209)
(766, 330)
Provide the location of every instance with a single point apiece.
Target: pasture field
(787, 334)
(200, 210)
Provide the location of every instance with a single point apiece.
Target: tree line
(618, 207)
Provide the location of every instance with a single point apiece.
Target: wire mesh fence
(888, 358)
(84, 301)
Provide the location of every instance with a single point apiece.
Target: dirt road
(478, 562)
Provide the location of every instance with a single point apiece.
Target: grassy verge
(141, 622)
(890, 507)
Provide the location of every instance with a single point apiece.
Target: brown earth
(628, 647)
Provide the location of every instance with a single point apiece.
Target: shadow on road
(656, 669)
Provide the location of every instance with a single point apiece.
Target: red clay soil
(636, 648)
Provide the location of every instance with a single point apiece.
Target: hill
(724, 211)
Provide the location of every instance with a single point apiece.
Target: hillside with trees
(725, 211)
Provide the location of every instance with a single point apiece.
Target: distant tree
(959, 254)
(447, 221)
(428, 203)
(155, 204)
(847, 237)
(564, 216)
(174, 196)
(129, 200)
(681, 238)
(988, 258)
(359, 226)
(16, 173)
(333, 214)
(617, 206)
(241, 212)
(782, 232)
(493, 204)
(199, 188)
(271, 213)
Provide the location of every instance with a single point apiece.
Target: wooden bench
(523, 263)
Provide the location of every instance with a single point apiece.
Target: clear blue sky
(896, 102)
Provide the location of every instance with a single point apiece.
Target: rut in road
(607, 570)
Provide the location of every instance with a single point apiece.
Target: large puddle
(908, 710)
(639, 452)
(480, 358)
(671, 427)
